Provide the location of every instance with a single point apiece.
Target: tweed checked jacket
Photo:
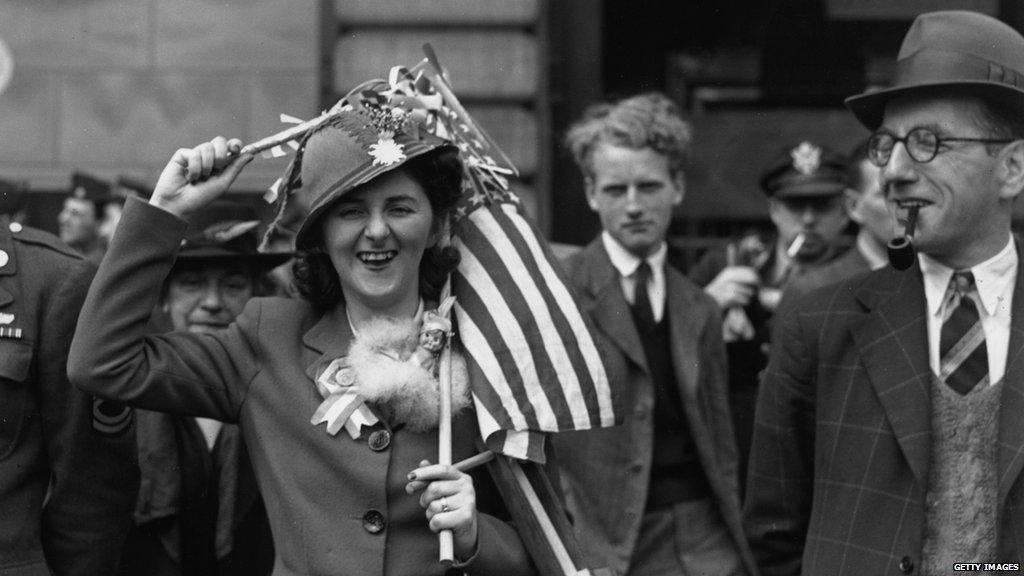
(850, 264)
(840, 457)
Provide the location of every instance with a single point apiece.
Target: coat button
(373, 522)
(906, 565)
(15, 227)
(379, 440)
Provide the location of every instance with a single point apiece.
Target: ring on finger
(444, 505)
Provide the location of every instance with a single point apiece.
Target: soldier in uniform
(81, 217)
(68, 475)
(804, 186)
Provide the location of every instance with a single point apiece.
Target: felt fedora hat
(226, 232)
(353, 149)
(955, 51)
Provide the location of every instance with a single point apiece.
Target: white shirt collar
(626, 262)
(992, 277)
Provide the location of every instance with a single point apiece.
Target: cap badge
(806, 158)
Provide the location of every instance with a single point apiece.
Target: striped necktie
(963, 355)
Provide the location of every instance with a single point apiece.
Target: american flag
(533, 365)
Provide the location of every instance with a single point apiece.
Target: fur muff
(394, 383)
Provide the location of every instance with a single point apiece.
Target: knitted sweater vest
(963, 489)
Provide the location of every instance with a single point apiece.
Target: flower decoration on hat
(386, 152)
(806, 158)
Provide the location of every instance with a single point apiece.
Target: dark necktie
(642, 311)
(963, 356)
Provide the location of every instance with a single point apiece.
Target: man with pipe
(888, 434)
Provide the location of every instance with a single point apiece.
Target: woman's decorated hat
(377, 128)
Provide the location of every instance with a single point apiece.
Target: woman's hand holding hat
(450, 503)
(194, 177)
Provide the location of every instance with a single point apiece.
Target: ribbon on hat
(343, 405)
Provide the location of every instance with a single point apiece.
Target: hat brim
(869, 108)
(216, 257)
(358, 177)
(810, 190)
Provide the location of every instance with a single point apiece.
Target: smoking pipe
(901, 248)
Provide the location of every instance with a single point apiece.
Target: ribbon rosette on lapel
(343, 404)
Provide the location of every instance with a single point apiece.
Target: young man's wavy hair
(647, 120)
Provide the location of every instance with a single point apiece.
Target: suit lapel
(1011, 426)
(328, 339)
(685, 331)
(608, 306)
(893, 345)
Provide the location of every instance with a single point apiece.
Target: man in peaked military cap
(67, 466)
(81, 217)
(804, 185)
(889, 436)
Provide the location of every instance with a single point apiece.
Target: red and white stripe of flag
(532, 362)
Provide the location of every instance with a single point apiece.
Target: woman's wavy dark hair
(440, 175)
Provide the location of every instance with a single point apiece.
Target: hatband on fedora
(958, 51)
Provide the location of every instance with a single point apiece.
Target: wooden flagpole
(444, 446)
(446, 539)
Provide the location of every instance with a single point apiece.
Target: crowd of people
(790, 404)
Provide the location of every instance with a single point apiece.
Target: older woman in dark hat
(371, 257)
(199, 510)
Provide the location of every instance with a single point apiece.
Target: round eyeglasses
(922, 145)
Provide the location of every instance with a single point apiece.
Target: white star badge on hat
(806, 158)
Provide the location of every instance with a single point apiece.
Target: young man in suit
(889, 437)
(659, 494)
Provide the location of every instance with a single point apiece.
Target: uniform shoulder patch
(111, 418)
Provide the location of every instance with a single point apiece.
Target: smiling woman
(372, 258)
(402, 214)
